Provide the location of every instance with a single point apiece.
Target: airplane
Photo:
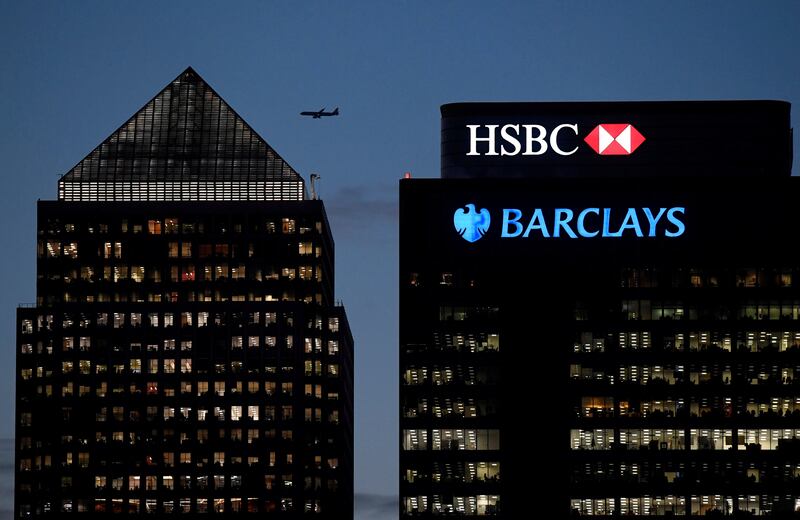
(321, 113)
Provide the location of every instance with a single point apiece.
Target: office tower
(185, 353)
(600, 313)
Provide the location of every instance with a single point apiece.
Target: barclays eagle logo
(471, 224)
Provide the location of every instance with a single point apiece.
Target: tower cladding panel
(599, 312)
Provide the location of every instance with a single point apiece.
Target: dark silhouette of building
(185, 353)
(566, 351)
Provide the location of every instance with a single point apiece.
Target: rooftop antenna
(314, 179)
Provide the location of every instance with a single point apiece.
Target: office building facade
(185, 353)
(600, 313)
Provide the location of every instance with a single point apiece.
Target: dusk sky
(72, 72)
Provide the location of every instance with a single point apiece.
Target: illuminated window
(465, 439)
(137, 273)
(112, 249)
(746, 278)
(202, 319)
(87, 274)
(333, 347)
(54, 248)
(306, 272)
(219, 460)
(154, 227)
(151, 482)
(415, 440)
(71, 250)
(252, 413)
(169, 366)
(188, 273)
(599, 439)
(170, 225)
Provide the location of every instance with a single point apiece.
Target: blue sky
(72, 72)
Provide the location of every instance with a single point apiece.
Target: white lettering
(539, 139)
(554, 139)
(510, 139)
(473, 139)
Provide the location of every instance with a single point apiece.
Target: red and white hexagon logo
(614, 139)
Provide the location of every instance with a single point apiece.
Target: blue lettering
(537, 222)
(563, 217)
(607, 222)
(581, 222)
(511, 221)
(631, 221)
(653, 220)
(565, 223)
(680, 227)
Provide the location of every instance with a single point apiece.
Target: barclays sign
(473, 224)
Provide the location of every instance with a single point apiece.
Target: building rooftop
(186, 143)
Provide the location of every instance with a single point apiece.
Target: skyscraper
(600, 313)
(185, 353)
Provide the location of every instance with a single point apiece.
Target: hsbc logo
(516, 139)
(614, 139)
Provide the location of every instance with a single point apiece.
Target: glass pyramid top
(186, 143)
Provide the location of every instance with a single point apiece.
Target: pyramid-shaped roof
(186, 143)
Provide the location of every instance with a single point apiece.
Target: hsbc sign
(614, 139)
(533, 139)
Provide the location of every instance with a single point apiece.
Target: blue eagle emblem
(470, 223)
